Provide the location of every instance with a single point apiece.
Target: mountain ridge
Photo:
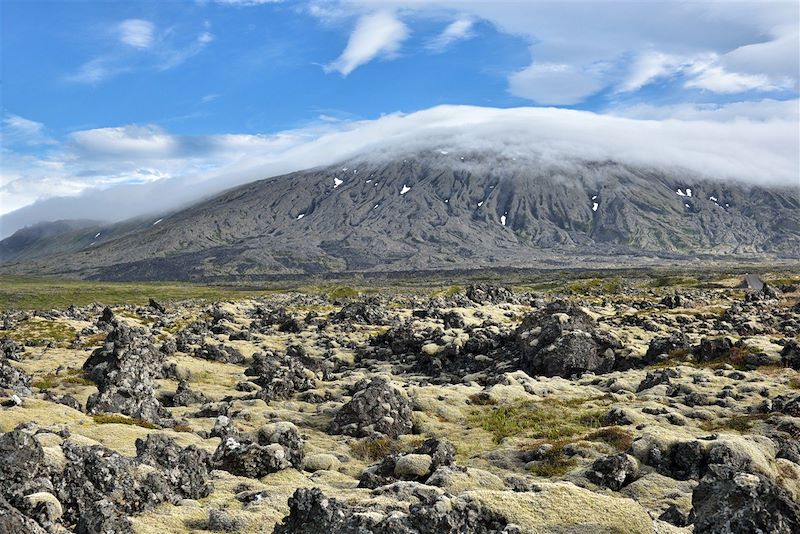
(443, 209)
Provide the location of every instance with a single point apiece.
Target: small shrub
(48, 381)
(738, 423)
(481, 399)
(554, 464)
(615, 436)
(372, 449)
(105, 419)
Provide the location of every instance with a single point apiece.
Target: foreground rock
(551, 508)
(563, 340)
(274, 447)
(124, 370)
(377, 408)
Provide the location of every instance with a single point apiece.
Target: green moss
(794, 382)
(738, 423)
(343, 292)
(41, 330)
(48, 381)
(549, 419)
(554, 464)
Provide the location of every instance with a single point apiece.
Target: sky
(113, 100)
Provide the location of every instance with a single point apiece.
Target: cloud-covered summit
(127, 171)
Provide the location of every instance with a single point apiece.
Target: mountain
(437, 209)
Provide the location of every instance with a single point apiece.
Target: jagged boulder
(219, 353)
(490, 294)
(274, 447)
(21, 466)
(417, 465)
(367, 311)
(377, 408)
(736, 495)
(711, 349)
(185, 471)
(13, 521)
(10, 349)
(13, 381)
(563, 340)
(279, 377)
(614, 472)
(124, 370)
(663, 347)
(185, 396)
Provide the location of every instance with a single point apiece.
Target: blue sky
(102, 94)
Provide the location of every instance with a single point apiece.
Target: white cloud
(581, 48)
(762, 110)
(554, 83)
(747, 144)
(457, 30)
(144, 48)
(377, 34)
(716, 78)
(21, 131)
(137, 33)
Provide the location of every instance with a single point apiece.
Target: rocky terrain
(429, 210)
(595, 406)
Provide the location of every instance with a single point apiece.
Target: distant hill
(430, 210)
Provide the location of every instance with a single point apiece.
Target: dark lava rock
(124, 370)
(377, 407)
(676, 300)
(613, 472)
(767, 292)
(441, 453)
(10, 349)
(275, 447)
(12, 521)
(368, 311)
(184, 396)
(66, 400)
(453, 319)
(157, 306)
(279, 377)
(489, 294)
(711, 349)
(185, 471)
(13, 381)
(103, 517)
(311, 512)
(663, 347)
(220, 521)
(790, 354)
(98, 489)
(279, 317)
(562, 340)
(21, 468)
(219, 353)
(728, 501)
(656, 378)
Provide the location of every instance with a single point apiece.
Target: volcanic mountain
(430, 209)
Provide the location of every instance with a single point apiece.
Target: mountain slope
(435, 210)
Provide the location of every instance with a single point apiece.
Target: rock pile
(124, 370)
